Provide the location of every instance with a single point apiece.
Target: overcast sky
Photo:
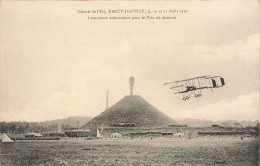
(56, 63)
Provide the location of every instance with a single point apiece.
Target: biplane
(192, 87)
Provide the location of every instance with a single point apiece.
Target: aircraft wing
(173, 87)
(186, 80)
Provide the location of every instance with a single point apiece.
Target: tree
(13, 128)
(236, 124)
(21, 129)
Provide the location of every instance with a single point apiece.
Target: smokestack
(131, 82)
(107, 99)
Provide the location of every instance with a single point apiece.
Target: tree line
(56, 126)
(26, 127)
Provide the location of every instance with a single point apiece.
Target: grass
(198, 151)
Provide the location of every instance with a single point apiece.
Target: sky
(56, 63)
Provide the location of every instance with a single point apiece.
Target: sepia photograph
(129, 83)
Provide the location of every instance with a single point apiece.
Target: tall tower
(131, 82)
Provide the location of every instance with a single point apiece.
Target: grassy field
(197, 151)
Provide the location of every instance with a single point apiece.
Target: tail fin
(222, 81)
(214, 83)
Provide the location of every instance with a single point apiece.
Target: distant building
(33, 135)
(137, 133)
(116, 135)
(167, 134)
(228, 133)
(93, 132)
(122, 125)
(179, 135)
(78, 133)
(54, 135)
(151, 134)
(178, 125)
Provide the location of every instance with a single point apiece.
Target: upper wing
(186, 80)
